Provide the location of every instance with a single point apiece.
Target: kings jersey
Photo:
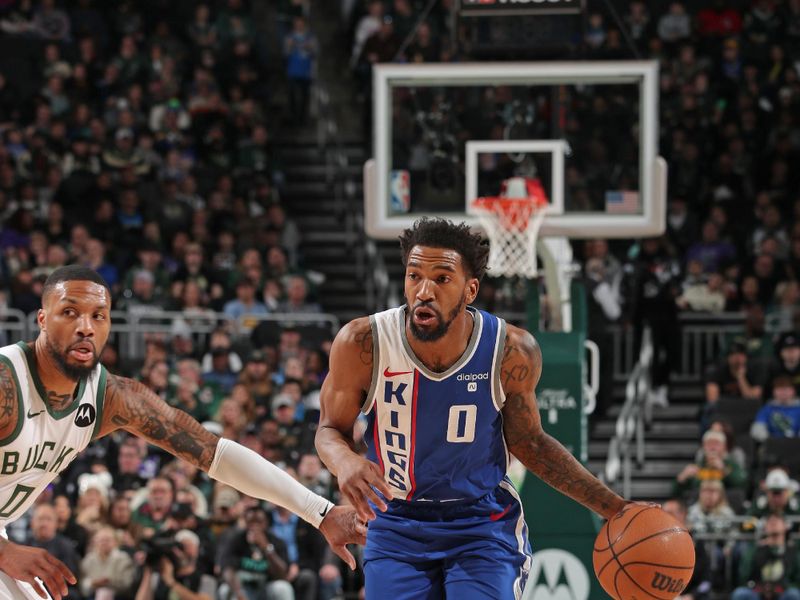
(438, 437)
(44, 441)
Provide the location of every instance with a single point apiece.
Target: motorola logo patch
(86, 415)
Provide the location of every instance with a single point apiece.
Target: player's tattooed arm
(132, 406)
(542, 454)
(9, 405)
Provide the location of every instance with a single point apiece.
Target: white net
(512, 226)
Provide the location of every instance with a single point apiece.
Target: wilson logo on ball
(666, 583)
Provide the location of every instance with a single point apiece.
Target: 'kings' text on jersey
(437, 436)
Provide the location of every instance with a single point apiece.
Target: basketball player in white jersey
(55, 398)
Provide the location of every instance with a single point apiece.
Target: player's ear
(473, 285)
(40, 319)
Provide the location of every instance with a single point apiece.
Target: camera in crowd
(162, 545)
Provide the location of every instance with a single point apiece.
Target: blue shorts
(476, 550)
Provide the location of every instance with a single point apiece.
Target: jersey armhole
(20, 404)
(100, 400)
(376, 355)
(498, 394)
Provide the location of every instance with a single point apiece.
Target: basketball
(643, 552)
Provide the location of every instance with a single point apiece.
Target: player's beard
(73, 372)
(441, 329)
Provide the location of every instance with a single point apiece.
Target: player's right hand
(342, 526)
(28, 564)
(357, 478)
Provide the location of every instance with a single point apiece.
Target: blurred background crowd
(137, 138)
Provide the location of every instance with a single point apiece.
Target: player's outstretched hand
(357, 476)
(342, 526)
(25, 563)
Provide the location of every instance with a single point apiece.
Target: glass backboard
(445, 134)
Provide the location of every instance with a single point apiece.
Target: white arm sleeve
(248, 472)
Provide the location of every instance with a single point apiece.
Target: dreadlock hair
(436, 232)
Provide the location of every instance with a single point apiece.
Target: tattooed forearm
(364, 341)
(135, 408)
(554, 465)
(186, 444)
(548, 459)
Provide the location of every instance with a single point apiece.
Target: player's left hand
(342, 526)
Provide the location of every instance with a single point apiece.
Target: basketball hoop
(512, 221)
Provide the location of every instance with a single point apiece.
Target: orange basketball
(643, 552)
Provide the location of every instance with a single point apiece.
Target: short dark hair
(73, 273)
(442, 233)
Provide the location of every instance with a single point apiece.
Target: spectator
(716, 464)
(220, 374)
(369, 25)
(652, 288)
(756, 342)
(297, 297)
(719, 21)
(67, 526)
(180, 578)
(256, 562)
(769, 569)
(780, 417)
(711, 512)
(784, 312)
(300, 48)
(702, 294)
(787, 362)
(92, 507)
(221, 339)
(675, 25)
(129, 464)
(152, 514)
(735, 378)
(120, 520)
(711, 251)
(735, 451)
(44, 534)
(284, 527)
(255, 375)
(777, 497)
(106, 568)
(245, 302)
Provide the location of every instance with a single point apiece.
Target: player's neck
(60, 388)
(442, 354)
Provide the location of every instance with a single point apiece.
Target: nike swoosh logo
(388, 373)
(31, 415)
(323, 513)
(500, 515)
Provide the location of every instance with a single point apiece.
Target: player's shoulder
(355, 340)
(520, 339)
(355, 331)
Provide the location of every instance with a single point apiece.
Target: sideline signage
(477, 8)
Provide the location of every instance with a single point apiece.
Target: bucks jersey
(437, 436)
(45, 440)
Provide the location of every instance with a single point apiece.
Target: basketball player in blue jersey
(448, 392)
(55, 398)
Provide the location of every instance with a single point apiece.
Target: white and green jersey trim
(45, 441)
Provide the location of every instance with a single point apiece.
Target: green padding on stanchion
(562, 532)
